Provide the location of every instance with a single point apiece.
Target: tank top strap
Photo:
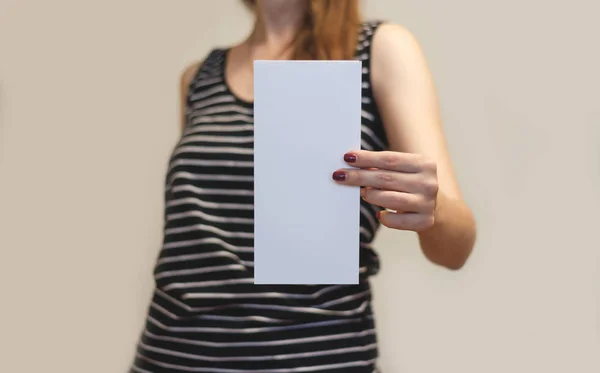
(365, 38)
(374, 136)
(212, 66)
(208, 75)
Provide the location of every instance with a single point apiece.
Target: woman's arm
(406, 97)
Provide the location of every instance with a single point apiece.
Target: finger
(389, 160)
(380, 179)
(406, 221)
(398, 201)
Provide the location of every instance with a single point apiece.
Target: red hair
(330, 31)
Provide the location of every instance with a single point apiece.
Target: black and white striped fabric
(206, 315)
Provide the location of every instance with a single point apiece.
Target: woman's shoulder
(210, 62)
(393, 43)
(385, 37)
(390, 33)
(189, 71)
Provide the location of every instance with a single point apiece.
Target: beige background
(88, 116)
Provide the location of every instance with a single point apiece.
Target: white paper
(307, 115)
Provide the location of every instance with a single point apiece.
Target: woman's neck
(277, 23)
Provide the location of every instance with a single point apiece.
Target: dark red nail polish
(350, 158)
(378, 214)
(339, 176)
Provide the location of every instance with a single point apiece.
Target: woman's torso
(206, 314)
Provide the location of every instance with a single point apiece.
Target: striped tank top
(206, 315)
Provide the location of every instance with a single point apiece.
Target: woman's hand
(403, 182)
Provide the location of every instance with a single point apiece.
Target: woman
(206, 315)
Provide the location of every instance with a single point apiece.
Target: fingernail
(339, 176)
(378, 214)
(350, 158)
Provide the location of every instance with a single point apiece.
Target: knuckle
(422, 204)
(384, 179)
(430, 186)
(401, 201)
(389, 160)
(424, 222)
(427, 164)
(429, 206)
